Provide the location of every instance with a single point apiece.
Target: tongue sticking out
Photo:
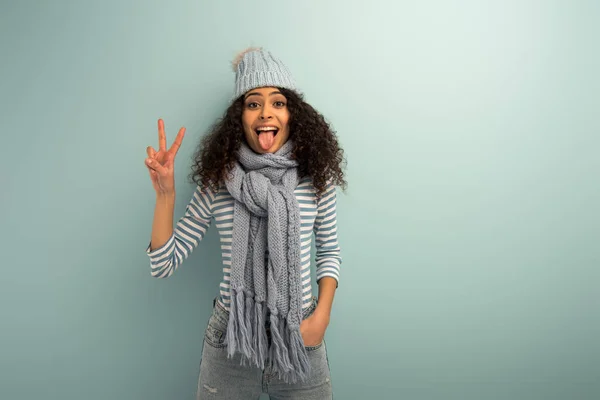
(266, 139)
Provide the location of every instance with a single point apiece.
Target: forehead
(263, 91)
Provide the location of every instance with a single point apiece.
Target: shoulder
(305, 183)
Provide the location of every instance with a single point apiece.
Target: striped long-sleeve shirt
(318, 219)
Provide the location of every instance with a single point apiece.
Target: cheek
(250, 138)
(287, 126)
(247, 128)
(248, 118)
(284, 118)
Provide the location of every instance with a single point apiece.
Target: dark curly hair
(315, 146)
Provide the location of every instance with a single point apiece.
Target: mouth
(266, 136)
(267, 129)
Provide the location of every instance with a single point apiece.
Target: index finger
(162, 138)
(177, 143)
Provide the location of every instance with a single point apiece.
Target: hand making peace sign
(161, 164)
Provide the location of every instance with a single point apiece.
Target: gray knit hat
(255, 67)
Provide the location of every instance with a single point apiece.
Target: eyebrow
(258, 94)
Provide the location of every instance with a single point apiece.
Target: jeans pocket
(307, 313)
(215, 331)
(314, 348)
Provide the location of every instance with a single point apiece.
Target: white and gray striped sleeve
(328, 255)
(188, 233)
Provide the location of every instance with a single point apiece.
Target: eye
(279, 104)
(252, 104)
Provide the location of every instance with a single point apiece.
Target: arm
(328, 257)
(179, 244)
(328, 261)
(327, 286)
(162, 224)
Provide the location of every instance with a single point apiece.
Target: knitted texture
(265, 278)
(255, 68)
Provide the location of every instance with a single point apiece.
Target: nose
(265, 113)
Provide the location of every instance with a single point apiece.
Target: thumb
(155, 165)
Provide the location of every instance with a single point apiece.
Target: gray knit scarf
(265, 264)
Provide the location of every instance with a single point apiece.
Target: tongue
(266, 139)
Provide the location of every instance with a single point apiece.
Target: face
(265, 119)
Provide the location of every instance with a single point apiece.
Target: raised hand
(160, 163)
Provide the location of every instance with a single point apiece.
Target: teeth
(267, 128)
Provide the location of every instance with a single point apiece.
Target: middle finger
(162, 138)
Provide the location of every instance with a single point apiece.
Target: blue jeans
(224, 378)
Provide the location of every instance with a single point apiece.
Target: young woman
(267, 176)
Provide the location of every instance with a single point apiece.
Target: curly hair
(315, 146)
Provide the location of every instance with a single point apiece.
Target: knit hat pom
(238, 59)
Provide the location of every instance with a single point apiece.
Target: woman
(267, 175)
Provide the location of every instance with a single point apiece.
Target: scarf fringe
(246, 334)
(232, 337)
(298, 351)
(261, 340)
(248, 326)
(279, 351)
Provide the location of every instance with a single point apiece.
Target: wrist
(165, 195)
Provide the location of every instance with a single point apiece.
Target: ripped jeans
(224, 378)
